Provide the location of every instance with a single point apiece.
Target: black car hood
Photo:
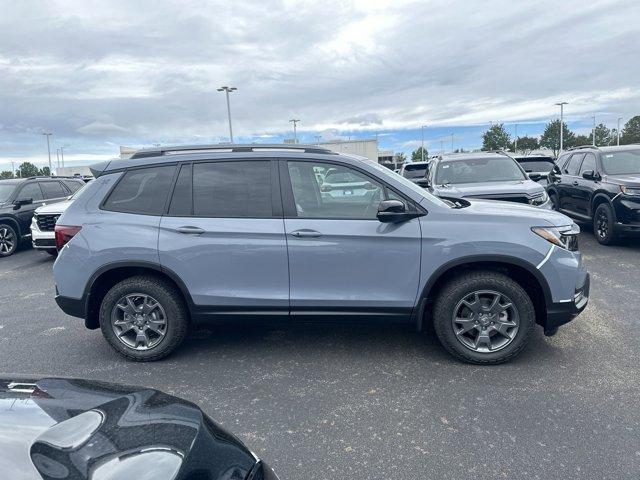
(629, 179)
(77, 430)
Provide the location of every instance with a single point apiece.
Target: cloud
(121, 72)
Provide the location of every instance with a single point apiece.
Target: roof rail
(579, 147)
(253, 147)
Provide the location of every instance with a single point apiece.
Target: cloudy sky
(103, 74)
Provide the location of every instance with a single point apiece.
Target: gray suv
(188, 235)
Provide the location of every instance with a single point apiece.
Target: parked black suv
(19, 197)
(600, 185)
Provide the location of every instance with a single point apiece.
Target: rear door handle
(306, 233)
(188, 230)
(575, 184)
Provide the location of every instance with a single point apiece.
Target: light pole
(561, 104)
(618, 132)
(451, 142)
(318, 137)
(62, 155)
(422, 127)
(295, 130)
(58, 156)
(515, 140)
(594, 130)
(228, 90)
(48, 134)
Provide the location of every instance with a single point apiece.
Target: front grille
(46, 223)
(504, 198)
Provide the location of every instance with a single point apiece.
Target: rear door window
(574, 164)
(232, 189)
(53, 190)
(143, 191)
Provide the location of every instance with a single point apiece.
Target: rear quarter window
(143, 191)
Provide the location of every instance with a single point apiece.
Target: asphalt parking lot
(379, 402)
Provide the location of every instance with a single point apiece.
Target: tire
(454, 299)
(9, 240)
(53, 253)
(171, 307)
(603, 225)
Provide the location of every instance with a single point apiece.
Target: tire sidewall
(172, 305)
(15, 243)
(464, 286)
(611, 237)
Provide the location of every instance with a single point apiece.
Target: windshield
(6, 189)
(536, 165)
(415, 171)
(621, 163)
(478, 170)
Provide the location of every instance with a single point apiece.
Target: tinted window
(574, 164)
(6, 189)
(141, 191)
(415, 171)
(73, 186)
(589, 163)
(358, 199)
(232, 189)
(536, 165)
(30, 190)
(182, 200)
(53, 190)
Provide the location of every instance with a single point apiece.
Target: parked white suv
(44, 221)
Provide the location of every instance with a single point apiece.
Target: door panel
(234, 264)
(25, 213)
(569, 189)
(353, 265)
(585, 188)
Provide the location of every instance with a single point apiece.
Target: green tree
(525, 145)
(28, 170)
(603, 136)
(579, 140)
(631, 131)
(399, 157)
(496, 138)
(44, 171)
(6, 174)
(416, 155)
(551, 136)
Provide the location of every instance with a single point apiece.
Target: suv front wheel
(483, 317)
(144, 318)
(603, 225)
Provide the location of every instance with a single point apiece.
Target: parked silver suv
(186, 235)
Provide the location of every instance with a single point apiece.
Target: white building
(367, 147)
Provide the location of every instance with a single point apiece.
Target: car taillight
(64, 233)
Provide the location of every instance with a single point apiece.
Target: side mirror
(423, 182)
(394, 211)
(535, 176)
(590, 175)
(22, 201)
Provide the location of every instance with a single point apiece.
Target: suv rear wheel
(8, 240)
(483, 317)
(144, 318)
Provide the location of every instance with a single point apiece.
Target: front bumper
(42, 240)
(563, 312)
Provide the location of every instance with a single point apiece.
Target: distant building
(71, 171)
(364, 147)
(127, 152)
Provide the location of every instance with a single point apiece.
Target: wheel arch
(13, 222)
(107, 276)
(598, 199)
(523, 272)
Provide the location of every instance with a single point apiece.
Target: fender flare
(14, 223)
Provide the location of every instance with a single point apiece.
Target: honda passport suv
(188, 235)
(600, 185)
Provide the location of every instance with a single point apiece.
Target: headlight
(563, 237)
(539, 199)
(632, 191)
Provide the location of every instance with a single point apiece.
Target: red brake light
(64, 233)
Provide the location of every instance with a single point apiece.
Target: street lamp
(228, 90)
(62, 154)
(295, 131)
(422, 127)
(618, 131)
(594, 130)
(561, 104)
(451, 142)
(515, 140)
(48, 134)
(318, 137)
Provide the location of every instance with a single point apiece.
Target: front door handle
(306, 233)
(189, 230)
